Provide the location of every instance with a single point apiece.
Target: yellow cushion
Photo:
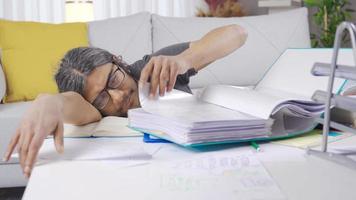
(31, 52)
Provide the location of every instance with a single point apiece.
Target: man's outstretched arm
(45, 117)
(216, 44)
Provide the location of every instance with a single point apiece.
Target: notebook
(279, 106)
(107, 127)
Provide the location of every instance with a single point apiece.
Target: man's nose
(116, 95)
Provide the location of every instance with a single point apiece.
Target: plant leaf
(312, 3)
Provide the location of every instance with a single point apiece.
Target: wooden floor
(11, 193)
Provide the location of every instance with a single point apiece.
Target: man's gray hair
(77, 64)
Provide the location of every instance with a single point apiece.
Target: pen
(255, 146)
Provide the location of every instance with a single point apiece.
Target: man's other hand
(43, 118)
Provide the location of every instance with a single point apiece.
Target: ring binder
(148, 139)
(333, 70)
(346, 72)
(343, 102)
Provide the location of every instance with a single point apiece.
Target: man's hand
(163, 71)
(43, 118)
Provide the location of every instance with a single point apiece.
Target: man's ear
(118, 60)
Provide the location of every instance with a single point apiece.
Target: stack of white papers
(192, 121)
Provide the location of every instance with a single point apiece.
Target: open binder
(283, 94)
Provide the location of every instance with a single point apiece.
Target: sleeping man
(94, 83)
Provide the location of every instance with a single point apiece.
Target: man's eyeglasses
(115, 81)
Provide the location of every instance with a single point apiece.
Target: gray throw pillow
(268, 37)
(128, 36)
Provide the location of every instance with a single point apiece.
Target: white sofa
(136, 35)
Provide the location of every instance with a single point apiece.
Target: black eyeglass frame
(124, 70)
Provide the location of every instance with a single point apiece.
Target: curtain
(33, 10)
(114, 8)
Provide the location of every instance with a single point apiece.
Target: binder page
(187, 108)
(292, 71)
(297, 105)
(254, 102)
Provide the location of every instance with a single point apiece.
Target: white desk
(299, 176)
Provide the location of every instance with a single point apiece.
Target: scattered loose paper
(214, 175)
(130, 152)
(311, 139)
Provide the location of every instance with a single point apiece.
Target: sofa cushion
(10, 116)
(128, 36)
(268, 37)
(31, 52)
(2, 81)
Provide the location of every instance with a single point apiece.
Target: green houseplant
(329, 14)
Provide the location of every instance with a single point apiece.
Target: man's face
(111, 90)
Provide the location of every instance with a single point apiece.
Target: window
(78, 11)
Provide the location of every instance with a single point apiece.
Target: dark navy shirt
(182, 82)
